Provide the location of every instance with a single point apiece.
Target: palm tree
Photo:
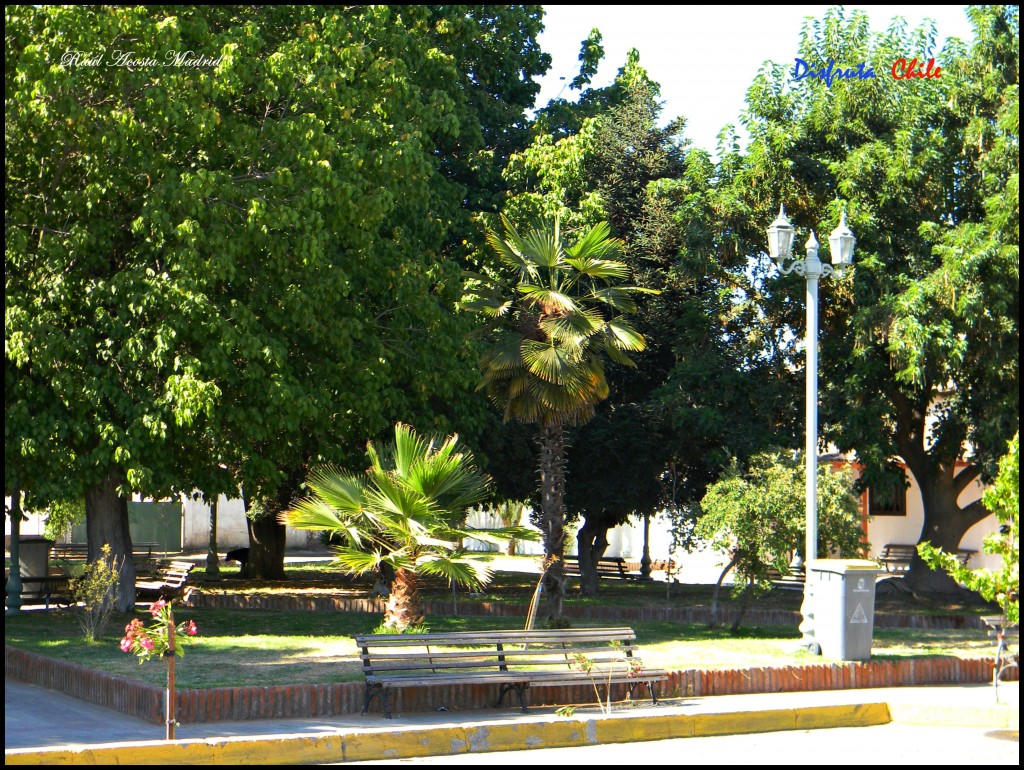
(563, 318)
(404, 513)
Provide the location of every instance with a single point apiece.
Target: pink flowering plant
(157, 639)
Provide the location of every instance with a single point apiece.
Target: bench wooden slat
(508, 652)
(169, 582)
(609, 566)
(489, 637)
(534, 678)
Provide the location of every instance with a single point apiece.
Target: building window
(888, 498)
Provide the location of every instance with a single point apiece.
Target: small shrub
(96, 589)
(387, 628)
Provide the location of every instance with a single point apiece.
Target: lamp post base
(807, 640)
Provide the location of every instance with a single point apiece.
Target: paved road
(899, 744)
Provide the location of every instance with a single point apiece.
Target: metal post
(812, 271)
(14, 584)
(841, 243)
(645, 560)
(171, 705)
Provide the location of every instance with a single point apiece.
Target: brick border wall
(752, 617)
(219, 704)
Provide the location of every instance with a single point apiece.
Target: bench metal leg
(373, 691)
(1004, 662)
(519, 688)
(650, 688)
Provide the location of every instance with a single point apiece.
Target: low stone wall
(219, 704)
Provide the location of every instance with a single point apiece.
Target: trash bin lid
(843, 565)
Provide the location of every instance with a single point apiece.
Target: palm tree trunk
(403, 606)
(552, 489)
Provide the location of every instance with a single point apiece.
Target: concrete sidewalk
(46, 727)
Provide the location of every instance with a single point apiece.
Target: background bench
(169, 583)
(793, 581)
(52, 588)
(144, 555)
(513, 660)
(608, 567)
(896, 557)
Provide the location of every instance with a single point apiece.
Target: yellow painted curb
(450, 739)
(996, 716)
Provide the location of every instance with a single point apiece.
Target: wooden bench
(793, 581)
(608, 567)
(143, 554)
(170, 582)
(896, 557)
(52, 588)
(514, 660)
(657, 565)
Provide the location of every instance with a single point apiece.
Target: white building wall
(231, 527)
(907, 529)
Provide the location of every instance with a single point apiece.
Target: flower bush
(155, 640)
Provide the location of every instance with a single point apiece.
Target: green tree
(407, 512)
(561, 315)
(759, 519)
(672, 416)
(219, 277)
(1003, 585)
(919, 351)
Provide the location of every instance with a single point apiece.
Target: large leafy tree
(561, 315)
(919, 349)
(218, 276)
(1001, 585)
(405, 513)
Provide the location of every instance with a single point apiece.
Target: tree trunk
(403, 606)
(266, 548)
(591, 543)
(552, 489)
(748, 591)
(718, 587)
(212, 557)
(945, 524)
(106, 522)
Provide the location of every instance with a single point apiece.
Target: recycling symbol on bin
(859, 616)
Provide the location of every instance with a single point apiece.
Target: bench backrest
(896, 551)
(608, 566)
(459, 651)
(70, 551)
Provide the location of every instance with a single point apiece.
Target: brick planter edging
(753, 617)
(218, 704)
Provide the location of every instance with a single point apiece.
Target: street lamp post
(841, 243)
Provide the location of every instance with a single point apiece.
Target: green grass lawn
(516, 585)
(260, 647)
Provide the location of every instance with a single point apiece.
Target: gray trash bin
(844, 606)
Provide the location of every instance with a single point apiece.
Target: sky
(704, 57)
